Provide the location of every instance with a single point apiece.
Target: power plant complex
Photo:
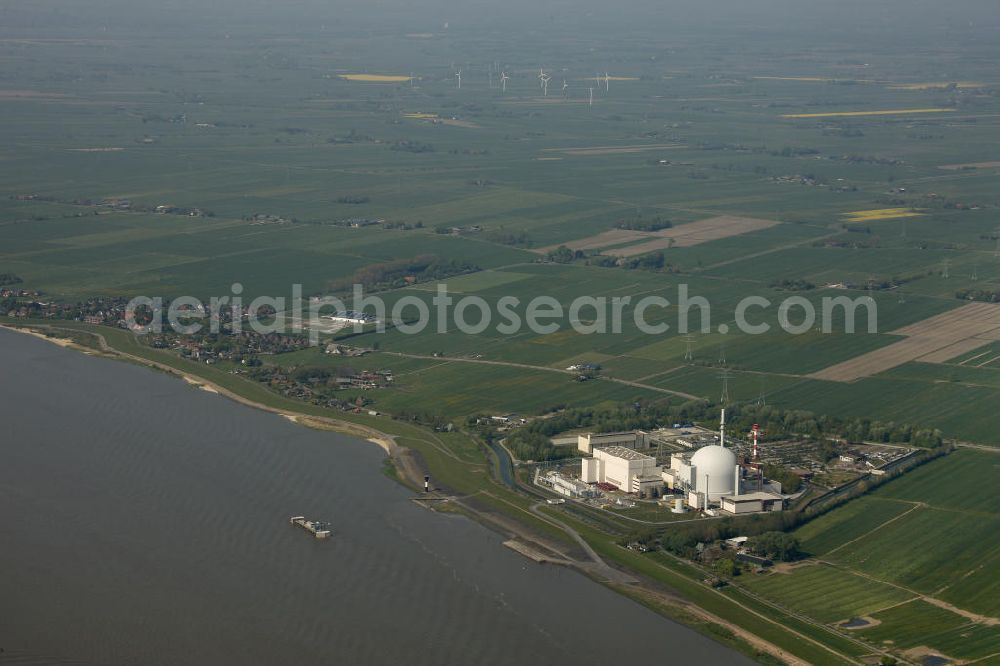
(710, 477)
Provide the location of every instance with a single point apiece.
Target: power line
(725, 386)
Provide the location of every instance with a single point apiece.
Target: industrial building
(756, 502)
(623, 468)
(587, 442)
(712, 476)
(709, 477)
(705, 477)
(570, 487)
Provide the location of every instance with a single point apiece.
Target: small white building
(623, 468)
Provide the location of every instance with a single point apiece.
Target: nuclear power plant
(709, 478)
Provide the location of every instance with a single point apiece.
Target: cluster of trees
(777, 546)
(320, 375)
(867, 159)
(424, 418)
(789, 151)
(789, 284)
(985, 295)
(563, 255)
(809, 424)
(7, 304)
(682, 539)
(532, 442)
(873, 241)
(527, 444)
(351, 199)
(405, 226)
(651, 261)
(640, 223)
(513, 238)
(790, 482)
(399, 273)
(412, 147)
(627, 416)
(351, 137)
(9, 278)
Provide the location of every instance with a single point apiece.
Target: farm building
(352, 317)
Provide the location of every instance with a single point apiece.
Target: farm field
(828, 594)
(914, 558)
(310, 171)
(687, 235)
(833, 154)
(851, 522)
(917, 625)
(934, 340)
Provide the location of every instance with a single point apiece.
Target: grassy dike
(810, 642)
(456, 462)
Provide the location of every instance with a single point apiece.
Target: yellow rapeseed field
(881, 214)
(792, 78)
(935, 85)
(815, 79)
(376, 78)
(852, 114)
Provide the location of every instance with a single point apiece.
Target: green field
(826, 593)
(296, 175)
(853, 521)
(931, 533)
(919, 623)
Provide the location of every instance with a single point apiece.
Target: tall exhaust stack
(427, 484)
(722, 428)
(756, 432)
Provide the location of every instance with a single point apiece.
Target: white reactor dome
(719, 464)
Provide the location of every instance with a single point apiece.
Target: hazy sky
(861, 16)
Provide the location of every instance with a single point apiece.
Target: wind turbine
(541, 78)
(565, 86)
(545, 85)
(591, 96)
(503, 82)
(459, 75)
(607, 82)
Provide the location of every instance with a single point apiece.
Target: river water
(143, 521)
